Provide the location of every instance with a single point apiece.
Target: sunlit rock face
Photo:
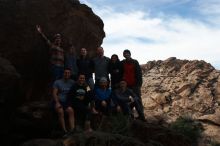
(175, 87)
(25, 48)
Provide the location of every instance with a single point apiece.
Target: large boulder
(9, 81)
(175, 87)
(32, 120)
(9, 93)
(24, 47)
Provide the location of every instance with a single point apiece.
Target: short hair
(57, 36)
(71, 46)
(81, 74)
(123, 80)
(115, 56)
(127, 51)
(103, 80)
(67, 68)
(83, 48)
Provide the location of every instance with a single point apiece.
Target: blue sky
(159, 29)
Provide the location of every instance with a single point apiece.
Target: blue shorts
(63, 104)
(57, 72)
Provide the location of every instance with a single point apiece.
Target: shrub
(214, 143)
(188, 127)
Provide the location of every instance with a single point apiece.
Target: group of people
(116, 87)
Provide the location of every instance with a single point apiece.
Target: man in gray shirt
(101, 65)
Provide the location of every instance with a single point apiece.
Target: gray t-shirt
(101, 67)
(63, 88)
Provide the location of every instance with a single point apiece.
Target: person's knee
(70, 111)
(60, 112)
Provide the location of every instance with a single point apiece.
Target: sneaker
(89, 130)
(65, 135)
(94, 111)
(141, 118)
(68, 133)
(72, 131)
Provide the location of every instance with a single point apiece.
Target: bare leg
(88, 126)
(71, 117)
(61, 118)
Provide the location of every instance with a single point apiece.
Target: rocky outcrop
(24, 57)
(26, 50)
(9, 80)
(175, 87)
(32, 120)
(9, 93)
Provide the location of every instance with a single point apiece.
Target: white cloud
(157, 38)
(210, 10)
(209, 7)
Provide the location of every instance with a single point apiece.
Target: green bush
(188, 127)
(214, 143)
(116, 124)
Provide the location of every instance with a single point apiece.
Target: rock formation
(171, 88)
(28, 52)
(24, 56)
(175, 87)
(9, 94)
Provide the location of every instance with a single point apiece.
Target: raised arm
(38, 27)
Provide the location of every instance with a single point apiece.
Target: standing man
(70, 62)
(61, 89)
(132, 74)
(85, 66)
(101, 63)
(56, 54)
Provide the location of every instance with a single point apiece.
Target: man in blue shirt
(61, 89)
(103, 96)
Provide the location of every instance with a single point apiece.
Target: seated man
(103, 96)
(124, 98)
(61, 88)
(80, 97)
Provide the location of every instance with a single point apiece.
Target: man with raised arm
(56, 54)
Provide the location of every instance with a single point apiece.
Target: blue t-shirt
(102, 94)
(63, 88)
